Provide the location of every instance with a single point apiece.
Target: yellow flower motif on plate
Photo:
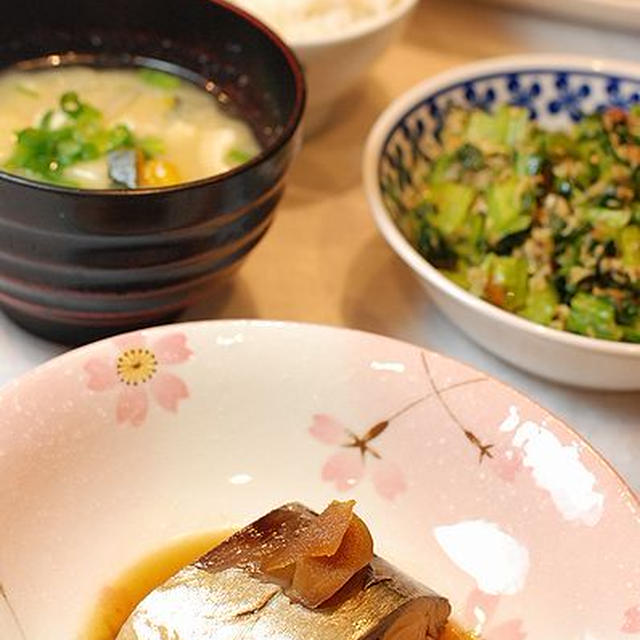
(136, 366)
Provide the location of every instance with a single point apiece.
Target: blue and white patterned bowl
(556, 90)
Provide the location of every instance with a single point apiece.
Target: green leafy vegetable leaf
(507, 213)
(452, 201)
(593, 316)
(237, 156)
(159, 79)
(630, 246)
(507, 281)
(151, 146)
(541, 305)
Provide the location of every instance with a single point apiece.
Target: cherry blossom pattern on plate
(347, 467)
(138, 370)
(8, 619)
(632, 620)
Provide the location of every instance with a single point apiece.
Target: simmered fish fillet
(245, 589)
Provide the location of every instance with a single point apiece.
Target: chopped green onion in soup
(87, 128)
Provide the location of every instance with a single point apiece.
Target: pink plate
(118, 448)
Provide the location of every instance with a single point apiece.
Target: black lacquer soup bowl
(81, 264)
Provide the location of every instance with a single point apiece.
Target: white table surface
(323, 260)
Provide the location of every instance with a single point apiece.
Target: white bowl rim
(404, 104)
(359, 29)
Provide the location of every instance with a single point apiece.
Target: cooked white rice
(300, 20)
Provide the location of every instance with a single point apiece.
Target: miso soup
(115, 128)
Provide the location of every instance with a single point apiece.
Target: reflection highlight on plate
(229, 341)
(496, 561)
(557, 468)
(396, 367)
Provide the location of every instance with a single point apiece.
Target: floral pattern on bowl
(467, 485)
(555, 97)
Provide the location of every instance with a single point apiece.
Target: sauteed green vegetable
(545, 224)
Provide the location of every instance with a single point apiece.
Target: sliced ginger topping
(311, 556)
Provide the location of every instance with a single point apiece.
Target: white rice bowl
(300, 20)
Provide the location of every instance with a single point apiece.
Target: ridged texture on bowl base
(64, 332)
(128, 298)
(74, 330)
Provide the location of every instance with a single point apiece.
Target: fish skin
(258, 540)
(213, 600)
(123, 168)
